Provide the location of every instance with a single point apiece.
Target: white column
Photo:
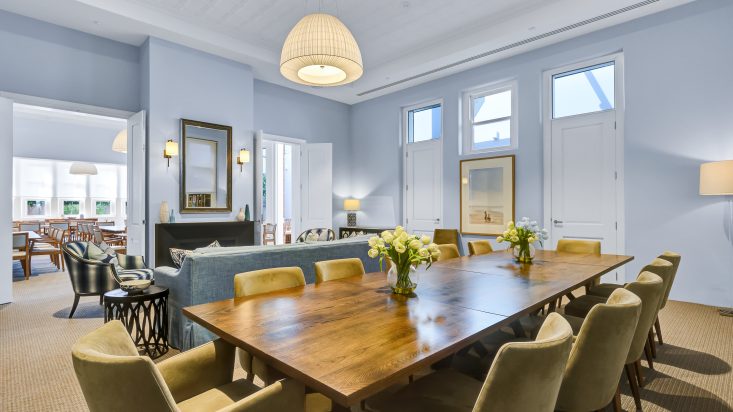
(6, 202)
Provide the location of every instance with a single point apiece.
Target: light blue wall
(49, 138)
(286, 112)
(45, 60)
(678, 114)
(186, 83)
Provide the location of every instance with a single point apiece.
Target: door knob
(557, 222)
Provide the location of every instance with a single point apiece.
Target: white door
(423, 189)
(583, 154)
(136, 179)
(258, 170)
(6, 207)
(316, 199)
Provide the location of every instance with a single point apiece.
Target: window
(586, 90)
(424, 123)
(71, 207)
(103, 208)
(490, 118)
(36, 207)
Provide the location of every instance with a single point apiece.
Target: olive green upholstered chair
(479, 247)
(338, 268)
(447, 236)
(525, 376)
(113, 377)
(599, 354)
(592, 247)
(448, 251)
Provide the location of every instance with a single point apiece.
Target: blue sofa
(207, 275)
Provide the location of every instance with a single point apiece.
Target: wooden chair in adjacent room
(268, 233)
(20, 251)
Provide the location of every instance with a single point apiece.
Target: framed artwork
(487, 195)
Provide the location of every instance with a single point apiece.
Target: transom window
(71, 207)
(424, 123)
(36, 207)
(103, 208)
(490, 118)
(587, 90)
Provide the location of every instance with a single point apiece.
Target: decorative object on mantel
(171, 149)
(354, 231)
(172, 218)
(716, 179)
(351, 206)
(246, 213)
(120, 143)
(321, 51)
(240, 215)
(487, 195)
(242, 158)
(83, 168)
(165, 212)
(404, 253)
(521, 237)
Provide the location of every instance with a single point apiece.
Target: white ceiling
(398, 38)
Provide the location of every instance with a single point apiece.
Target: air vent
(514, 45)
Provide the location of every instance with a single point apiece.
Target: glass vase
(523, 253)
(402, 282)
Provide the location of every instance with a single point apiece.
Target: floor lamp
(716, 179)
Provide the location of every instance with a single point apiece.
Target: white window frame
(423, 105)
(24, 203)
(67, 199)
(112, 207)
(467, 102)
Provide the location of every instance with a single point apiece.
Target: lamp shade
(351, 204)
(171, 148)
(716, 178)
(81, 168)
(120, 142)
(243, 156)
(321, 51)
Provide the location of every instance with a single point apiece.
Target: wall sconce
(351, 206)
(171, 149)
(242, 158)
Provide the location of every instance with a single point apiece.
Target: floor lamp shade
(716, 178)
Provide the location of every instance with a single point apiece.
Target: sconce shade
(321, 51)
(120, 142)
(171, 149)
(82, 168)
(243, 156)
(352, 204)
(716, 178)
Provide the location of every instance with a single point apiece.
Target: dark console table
(191, 236)
(352, 231)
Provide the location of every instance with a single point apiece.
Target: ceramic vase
(246, 213)
(240, 215)
(164, 212)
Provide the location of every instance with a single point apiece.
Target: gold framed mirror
(206, 167)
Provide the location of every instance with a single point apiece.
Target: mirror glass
(206, 170)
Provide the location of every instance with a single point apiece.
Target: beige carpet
(693, 370)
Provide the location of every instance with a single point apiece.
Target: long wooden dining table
(352, 338)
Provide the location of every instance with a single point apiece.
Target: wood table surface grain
(351, 338)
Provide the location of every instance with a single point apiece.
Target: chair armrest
(284, 395)
(198, 370)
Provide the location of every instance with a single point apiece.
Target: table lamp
(351, 206)
(716, 179)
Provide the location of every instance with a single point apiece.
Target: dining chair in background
(338, 268)
(268, 233)
(20, 251)
(448, 251)
(479, 247)
(448, 236)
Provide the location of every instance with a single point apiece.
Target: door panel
(316, 182)
(423, 187)
(136, 180)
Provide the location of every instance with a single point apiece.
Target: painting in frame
(487, 195)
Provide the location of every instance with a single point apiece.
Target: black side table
(144, 313)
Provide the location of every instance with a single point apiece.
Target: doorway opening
(280, 191)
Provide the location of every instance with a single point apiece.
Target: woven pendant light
(321, 51)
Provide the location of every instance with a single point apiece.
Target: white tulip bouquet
(521, 236)
(405, 252)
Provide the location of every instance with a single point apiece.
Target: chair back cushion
(526, 376)
(20, 240)
(579, 246)
(338, 268)
(267, 280)
(113, 377)
(650, 289)
(599, 353)
(78, 249)
(664, 269)
(448, 251)
(322, 234)
(674, 259)
(479, 247)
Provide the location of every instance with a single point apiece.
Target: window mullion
(498, 119)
